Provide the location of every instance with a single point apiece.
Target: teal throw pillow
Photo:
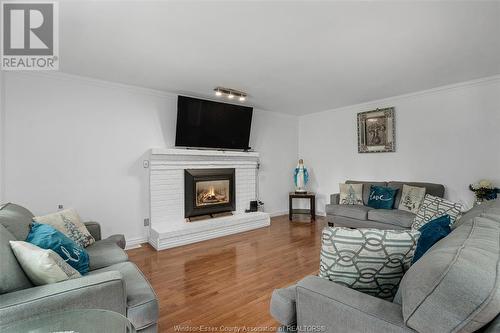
(49, 238)
(430, 234)
(381, 197)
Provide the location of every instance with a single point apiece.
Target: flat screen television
(209, 124)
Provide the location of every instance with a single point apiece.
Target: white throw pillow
(351, 194)
(68, 222)
(434, 207)
(372, 261)
(42, 266)
(411, 198)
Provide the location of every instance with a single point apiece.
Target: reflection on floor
(228, 281)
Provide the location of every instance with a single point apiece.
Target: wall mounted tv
(209, 124)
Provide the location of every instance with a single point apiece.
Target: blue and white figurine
(301, 177)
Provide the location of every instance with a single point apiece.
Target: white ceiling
(293, 57)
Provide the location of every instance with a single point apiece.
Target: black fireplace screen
(208, 191)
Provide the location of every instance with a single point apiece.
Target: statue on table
(301, 177)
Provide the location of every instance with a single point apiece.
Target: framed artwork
(376, 131)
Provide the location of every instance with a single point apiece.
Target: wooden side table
(306, 195)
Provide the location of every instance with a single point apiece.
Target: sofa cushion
(16, 219)
(42, 266)
(105, 253)
(366, 187)
(351, 194)
(142, 304)
(436, 190)
(342, 221)
(353, 211)
(283, 305)
(381, 197)
(392, 216)
(371, 261)
(69, 223)
(455, 285)
(12, 276)
(433, 207)
(411, 198)
(430, 234)
(49, 238)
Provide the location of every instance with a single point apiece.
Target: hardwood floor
(228, 281)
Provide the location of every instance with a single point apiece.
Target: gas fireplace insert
(208, 191)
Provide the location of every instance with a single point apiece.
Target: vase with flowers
(484, 191)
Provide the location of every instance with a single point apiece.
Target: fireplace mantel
(169, 227)
(179, 152)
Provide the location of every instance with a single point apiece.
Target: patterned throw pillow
(351, 194)
(434, 207)
(68, 222)
(372, 261)
(411, 198)
(42, 266)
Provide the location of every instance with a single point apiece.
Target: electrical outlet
(145, 164)
(146, 222)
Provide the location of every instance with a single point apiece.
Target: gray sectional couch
(454, 287)
(362, 216)
(113, 283)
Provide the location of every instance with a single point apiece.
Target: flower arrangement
(484, 190)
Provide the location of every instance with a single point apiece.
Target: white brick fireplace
(169, 228)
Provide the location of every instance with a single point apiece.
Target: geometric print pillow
(372, 261)
(434, 207)
(68, 222)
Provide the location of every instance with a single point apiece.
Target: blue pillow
(430, 234)
(381, 197)
(47, 237)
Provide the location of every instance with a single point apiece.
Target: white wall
(447, 135)
(2, 141)
(81, 142)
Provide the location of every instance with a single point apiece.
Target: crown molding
(387, 100)
(56, 75)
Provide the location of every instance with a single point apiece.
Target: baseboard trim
(278, 213)
(135, 242)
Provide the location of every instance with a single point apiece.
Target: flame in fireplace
(212, 193)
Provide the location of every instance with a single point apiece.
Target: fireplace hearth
(208, 191)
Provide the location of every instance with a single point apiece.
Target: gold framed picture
(376, 131)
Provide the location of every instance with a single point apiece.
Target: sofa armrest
(332, 307)
(118, 240)
(94, 228)
(98, 291)
(335, 198)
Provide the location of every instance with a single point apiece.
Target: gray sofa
(454, 287)
(113, 283)
(362, 216)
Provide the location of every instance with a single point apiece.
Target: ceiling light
(230, 93)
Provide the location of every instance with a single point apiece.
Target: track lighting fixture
(230, 93)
